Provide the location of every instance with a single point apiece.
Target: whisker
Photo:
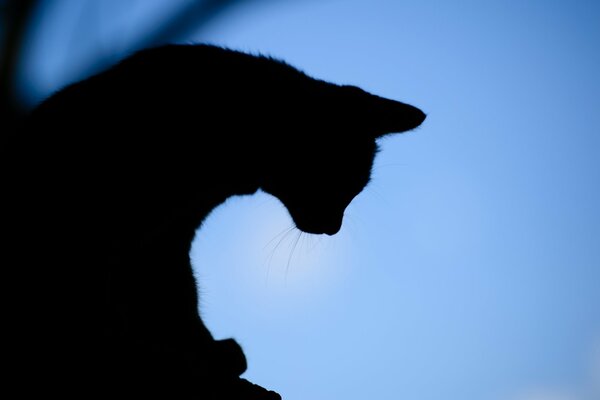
(285, 234)
(305, 242)
(313, 242)
(287, 268)
(284, 231)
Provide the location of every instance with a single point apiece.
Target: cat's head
(325, 161)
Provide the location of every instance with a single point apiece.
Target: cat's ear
(384, 116)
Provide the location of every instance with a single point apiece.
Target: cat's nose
(333, 227)
(332, 232)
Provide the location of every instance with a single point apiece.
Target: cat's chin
(328, 233)
(329, 230)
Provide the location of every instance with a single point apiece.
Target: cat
(108, 181)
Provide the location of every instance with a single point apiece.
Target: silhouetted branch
(15, 15)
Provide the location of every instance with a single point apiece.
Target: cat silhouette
(107, 182)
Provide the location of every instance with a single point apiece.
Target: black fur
(107, 182)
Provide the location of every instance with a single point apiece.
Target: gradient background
(470, 268)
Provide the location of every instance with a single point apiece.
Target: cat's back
(159, 91)
(152, 119)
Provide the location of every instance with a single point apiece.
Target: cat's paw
(228, 357)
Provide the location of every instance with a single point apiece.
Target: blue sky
(470, 268)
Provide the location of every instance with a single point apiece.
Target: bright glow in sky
(470, 268)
